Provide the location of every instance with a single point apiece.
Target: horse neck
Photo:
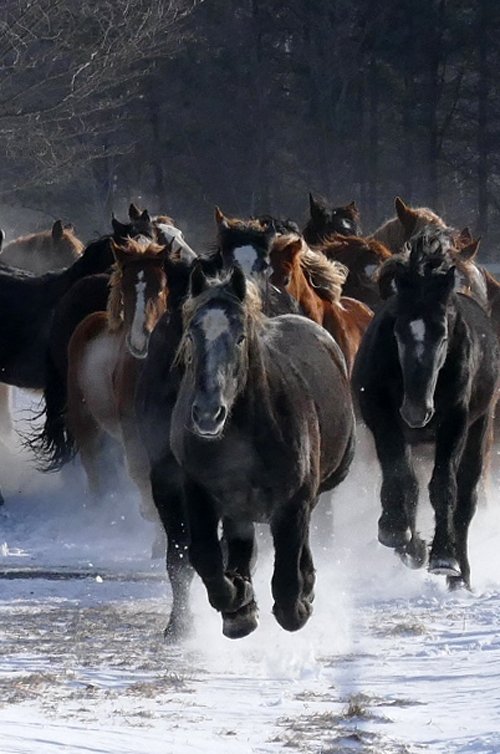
(300, 288)
(338, 323)
(96, 258)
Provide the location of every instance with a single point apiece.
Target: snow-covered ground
(389, 663)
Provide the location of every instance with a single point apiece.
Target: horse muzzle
(137, 351)
(208, 422)
(416, 415)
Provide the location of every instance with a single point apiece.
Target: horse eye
(240, 340)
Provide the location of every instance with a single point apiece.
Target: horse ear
(220, 218)
(406, 215)
(197, 281)
(238, 282)
(119, 229)
(292, 249)
(315, 208)
(57, 230)
(119, 253)
(353, 208)
(2, 238)
(134, 212)
(145, 216)
(465, 236)
(467, 253)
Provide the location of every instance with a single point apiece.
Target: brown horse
(394, 233)
(316, 284)
(362, 257)
(104, 358)
(44, 251)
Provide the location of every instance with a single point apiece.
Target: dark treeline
(251, 104)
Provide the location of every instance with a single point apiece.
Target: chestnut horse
(316, 284)
(104, 356)
(394, 233)
(44, 251)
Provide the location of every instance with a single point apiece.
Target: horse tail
(53, 445)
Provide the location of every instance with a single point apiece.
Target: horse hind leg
(239, 537)
(468, 478)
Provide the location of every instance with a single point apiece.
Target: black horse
(427, 371)
(325, 221)
(242, 389)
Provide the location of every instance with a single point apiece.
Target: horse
(237, 390)
(248, 243)
(409, 221)
(104, 356)
(325, 220)
(317, 284)
(44, 251)
(427, 371)
(362, 257)
(87, 296)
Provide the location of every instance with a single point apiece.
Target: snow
(389, 662)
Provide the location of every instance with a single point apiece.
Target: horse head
(246, 243)
(214, 348)
(138, 295)
(425, 279)
(326, 220)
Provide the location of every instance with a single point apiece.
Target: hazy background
(250, 104)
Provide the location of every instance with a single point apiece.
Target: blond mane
(394, 235)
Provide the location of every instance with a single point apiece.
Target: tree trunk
(482, 120)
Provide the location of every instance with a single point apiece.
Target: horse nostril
(221, 414)
(195, 413)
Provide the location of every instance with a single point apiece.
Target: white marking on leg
(214, 324)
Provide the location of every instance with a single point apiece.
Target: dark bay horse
(427, 371)
(325, 220)
(44, 251)
(316, 283)
(250, 389)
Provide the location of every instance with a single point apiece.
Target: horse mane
(114, 308)
(352, 245)
(393, 234)
(326, 276)
(428, 252)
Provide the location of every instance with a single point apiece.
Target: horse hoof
(414, 555)
(293, 619)
(457, 582)
(241, 623)
(394, 538)
(445, 566)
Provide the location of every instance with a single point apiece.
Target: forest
(180, 105)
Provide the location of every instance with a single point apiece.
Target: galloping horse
(104, 356)
(362, 257)
(251, 389)
(325, 220)
(427, 371)
(44, 251)
(317, 283)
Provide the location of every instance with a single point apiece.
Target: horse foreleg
(239, 537)
(399, 491)
(227, 591)
(469, 474)
(450, 441)
(291, 591)
(168, 496)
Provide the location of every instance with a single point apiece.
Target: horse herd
(231, 383)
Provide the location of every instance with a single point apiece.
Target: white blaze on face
(246, 256)
(137, 335)
(417, 329)
(214, 324)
